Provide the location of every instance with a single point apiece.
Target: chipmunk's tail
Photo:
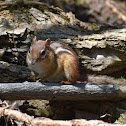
(103, 79)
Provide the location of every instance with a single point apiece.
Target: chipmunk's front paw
(67, 82)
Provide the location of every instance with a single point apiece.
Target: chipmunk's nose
(33, 61)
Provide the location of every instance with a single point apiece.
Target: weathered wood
(41, 121)
(56, 91)
(14, 73)
(100, 50)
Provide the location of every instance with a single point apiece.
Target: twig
(28, 120)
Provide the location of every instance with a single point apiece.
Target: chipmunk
(53, 61)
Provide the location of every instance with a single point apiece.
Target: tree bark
(101, 49)
(14, 73)
(56, 91)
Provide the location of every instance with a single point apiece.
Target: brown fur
(101, 79)
(53, 66)
(69, 64)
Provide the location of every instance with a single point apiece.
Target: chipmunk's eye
(29, 51)
(43, 53)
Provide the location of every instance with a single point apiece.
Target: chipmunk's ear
(47, 42)
(35, 39)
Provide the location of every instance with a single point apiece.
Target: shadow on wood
(56, 91)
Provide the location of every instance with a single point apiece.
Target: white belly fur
(37, 68)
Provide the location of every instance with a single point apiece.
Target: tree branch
(56, 91)
(28, 120)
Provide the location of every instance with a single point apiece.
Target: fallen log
(101, 48)
(56, 91)
(14, 73)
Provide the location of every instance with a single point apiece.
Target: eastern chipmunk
(53, 61)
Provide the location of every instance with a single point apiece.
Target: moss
(1, 53)
(81, 2)
(122, 78)
(38, 108)
(93, 27)
(121, 119)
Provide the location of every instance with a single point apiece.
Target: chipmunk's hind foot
(68, 82)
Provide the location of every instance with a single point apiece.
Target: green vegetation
(122, 78)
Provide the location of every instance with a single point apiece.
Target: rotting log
(101, 49)
(14, 73)
(56, 91)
